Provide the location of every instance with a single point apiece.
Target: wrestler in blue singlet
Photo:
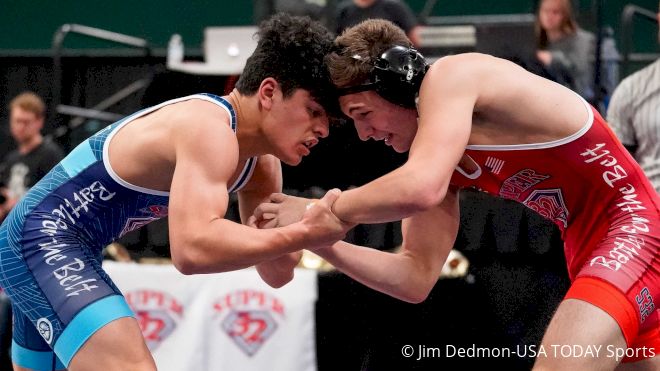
(51, 243)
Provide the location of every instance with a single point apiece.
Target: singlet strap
(245, 175)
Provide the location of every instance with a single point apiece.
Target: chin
(401, 148)
(288, 156)
(292, 161)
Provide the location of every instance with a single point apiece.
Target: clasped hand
(324, 228)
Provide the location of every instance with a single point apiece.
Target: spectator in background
(634, 115)
(33, 158)
(352, 12)
(564, 48)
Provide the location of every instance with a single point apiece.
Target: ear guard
(396, 76)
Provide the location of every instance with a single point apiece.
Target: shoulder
(200, 107)
(471, 58)
(461, 77)
(203, 128)
(462, 67)
(475, 77)
(199, 117)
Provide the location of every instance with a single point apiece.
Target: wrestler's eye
(364, 114)
(314, 112)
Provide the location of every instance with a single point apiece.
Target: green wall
(27, 27)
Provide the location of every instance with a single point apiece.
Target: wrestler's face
(296, 124)
(376, 118)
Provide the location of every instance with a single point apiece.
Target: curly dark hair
(291, 50)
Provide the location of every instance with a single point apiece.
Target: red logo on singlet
(158, 211)
(157, 314)
(154, 212)
(249, 318)
(645, 303)
(519, 182)
(549, 203)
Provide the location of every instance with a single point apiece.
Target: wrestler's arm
(447, 99)
(410, 274)
(267, 179)
(201, 240)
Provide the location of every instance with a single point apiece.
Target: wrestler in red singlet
(605, 207)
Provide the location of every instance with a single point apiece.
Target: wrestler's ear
(267, 91)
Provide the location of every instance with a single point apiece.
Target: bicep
(198, 194)
(445, 121)
(266, 179)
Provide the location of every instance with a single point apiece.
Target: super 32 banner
(228, 321)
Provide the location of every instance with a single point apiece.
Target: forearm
(396, 275)
(226, 246)
(392, 197)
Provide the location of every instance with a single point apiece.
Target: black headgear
(396, 76)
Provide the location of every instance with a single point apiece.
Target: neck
(30, 144)
(249, 134)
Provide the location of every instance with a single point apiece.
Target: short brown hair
(358, 47)
(30, 102)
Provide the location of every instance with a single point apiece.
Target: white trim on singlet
(475, 174)
(551, 144)
(106, 144)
